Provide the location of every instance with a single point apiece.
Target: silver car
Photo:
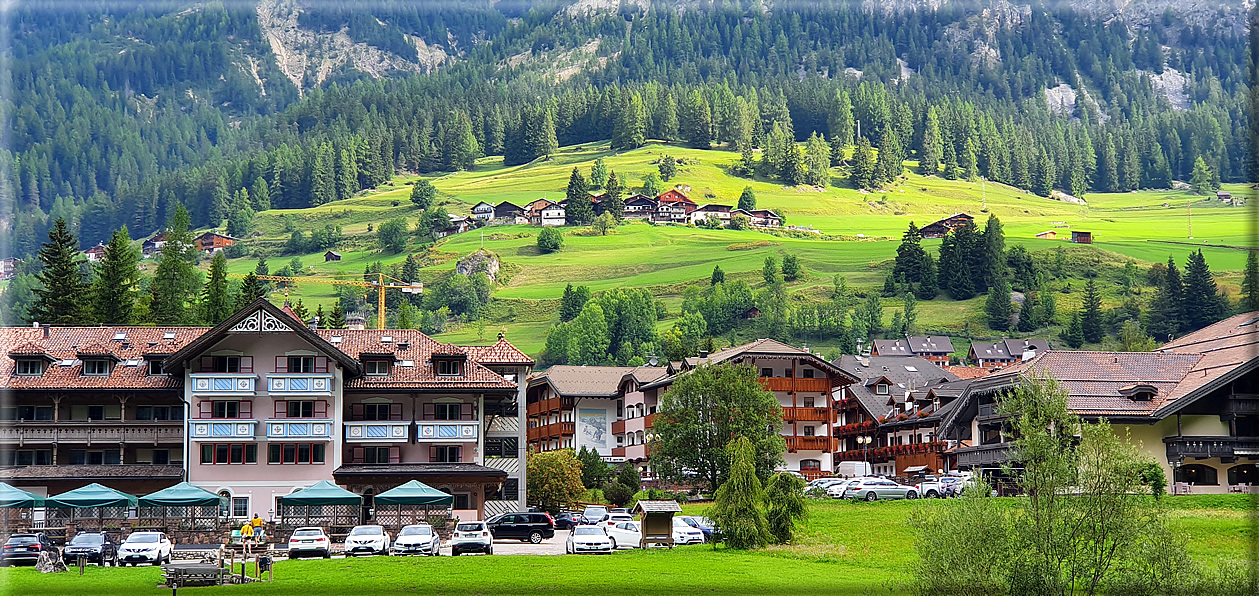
(873, 489)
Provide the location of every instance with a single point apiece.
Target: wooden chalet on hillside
(212, 242)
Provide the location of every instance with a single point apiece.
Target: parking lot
(552, 546)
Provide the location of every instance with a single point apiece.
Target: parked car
(417, 539)
(525, 527)
(839, 490)
(92, 547)
(627, 534)
(588, 539)
(703, 524)
(619, 510)
(310, 540)
(145, 547)
(471, 537)
(593, 514)
(613, 519)
(371, 540)
(952, 485)
(26, 548)
(565, 520)
(684, 533)
(930, 488)
(850, 469)
(872, 489)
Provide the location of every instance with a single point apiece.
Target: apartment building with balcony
(1192, 405)
(571, 407)
(898, 403)
(91, 404)
(640, 390)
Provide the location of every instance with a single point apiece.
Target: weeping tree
(739, 504)
(784, 493)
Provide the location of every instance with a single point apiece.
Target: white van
(851, 469)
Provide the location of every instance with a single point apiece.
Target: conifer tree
(216, 302)
(422, 193)
(260, 194)
(612, 201)
(322, 176)
(932, 147)
(545, 144)
(578, 211)
(598, 174)
(1073, 335)
(948, 161)
(929, 286)
(1202, 302)
(890, 165)
(300, 310)
(863, 165)
(739, 503)
(1250, 283)
(573, 300)
(1029, 313)
(697, 121)
(176, 283)
(840, 122)
(251, 289)
(345, 178)
(998, 306)
(747, 202)
(321, 319)
(793, 169)
(1165, 315)
(1091, 313)
(337, 319)
(117, 276)
(718, 276)
(59, 298)
(817, 161)
(1202, 180)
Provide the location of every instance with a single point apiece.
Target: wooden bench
(178, 576)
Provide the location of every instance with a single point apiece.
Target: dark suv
(92, 547)
(532, 527)
(25, 548)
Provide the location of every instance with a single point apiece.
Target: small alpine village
(629, 297)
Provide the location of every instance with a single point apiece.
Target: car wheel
(870, 496)
(535, 537)
(933, 494)
(454, 552)
(327, 554)
(489, 551)
(614, 544)
(911, 495)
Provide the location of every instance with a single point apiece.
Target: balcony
(548, 405)
(984, 455)
(856, 428)
(446, 431)
(1223, 447)
(208, 429)
(377, 431)
(808, 415)
(815, 474)
(618, 427)
(989, 413)
(223, 384)
(302, 384)
(812, 443)
(793, 384)
(551, 430)
(89, 432)
(618, 452)
(319, 429)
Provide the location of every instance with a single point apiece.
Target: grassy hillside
(862, 233)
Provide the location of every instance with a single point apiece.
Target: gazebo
(186, 506)
(18, 505)
(412, 503)
(92, 502)
(657, 521)
(321, 504)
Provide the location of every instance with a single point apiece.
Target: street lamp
(865, 441)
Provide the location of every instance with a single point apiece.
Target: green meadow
(861, 229)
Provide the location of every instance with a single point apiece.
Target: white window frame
(376, 368)
(95, 363)
(38, 364)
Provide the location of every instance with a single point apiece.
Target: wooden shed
(331, 256)
(1048, 235)
(1080, 237)
(657, 521)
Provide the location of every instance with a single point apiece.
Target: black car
(566, 520)
(92, 547)
(532, 527)
(25, 548)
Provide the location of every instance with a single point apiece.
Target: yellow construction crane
(379, 284)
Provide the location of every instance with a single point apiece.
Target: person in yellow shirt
(247, 536)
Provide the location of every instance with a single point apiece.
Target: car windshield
(22, 540)
(595, 511)
(142, 538)
(308, 533)
(416, 531)
(468, 527)
(680, 523)
(587, 532)
(367, 531)
(87, 539)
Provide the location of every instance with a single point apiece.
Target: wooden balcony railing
(856, 428)
(547, 431)
(793, 384)
(95, 431)
(812, 443)
(618, 427)
(802, 414)
(651, 419)
(618, 452)
(548, 405)
(815, 474)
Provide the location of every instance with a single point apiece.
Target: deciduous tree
(553, 479)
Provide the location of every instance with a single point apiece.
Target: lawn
(844, 548)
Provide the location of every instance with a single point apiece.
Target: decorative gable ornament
(260, 322)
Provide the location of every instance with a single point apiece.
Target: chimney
(501, 336)
(45, 326)
(703, 353)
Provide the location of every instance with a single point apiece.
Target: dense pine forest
(117, 115)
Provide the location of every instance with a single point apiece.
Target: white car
(839, 490)
(309, 540)
(145, 547)
(471, 537)
(684, 533)
(369, 540)
(588, 539)
(418, 539)
(627, 534)
(616, 518)
(873, 489)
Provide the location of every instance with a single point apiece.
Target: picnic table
(198, 574)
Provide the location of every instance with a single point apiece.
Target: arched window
(1198, 474)
(225, 503)
(810, 464)
(1243, 474)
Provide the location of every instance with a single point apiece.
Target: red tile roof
(502, 352)
(968, 372)
(66, 344)
(419, 349)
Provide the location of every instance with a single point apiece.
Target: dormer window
(376, 368)
(1139, 392)
(449, 368)
(96, 368)
(882, 389)
(30, 368)
(155, 367)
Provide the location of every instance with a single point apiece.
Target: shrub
(618, 494)
(550, 240)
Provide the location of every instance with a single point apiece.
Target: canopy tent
(180, 495)
(321, 493)
(92, 495)
(414, 493)
(16, 498)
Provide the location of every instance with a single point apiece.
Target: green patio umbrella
(414, 493)
(16, 498)
(180, 495)
(322, 493)
(92, 495)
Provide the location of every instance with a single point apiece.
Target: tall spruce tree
(998, 307)
(573, 300)
(697, 121)
(612, 200)
(337, 319)
(1202, 302)
(747, 201)
(579, 211)
(932, 147)
(117, 276)
(862, 171)
(1250, 283)
(176, 283)
(817, 161)
(216, 301)
(1073, 335)
(993, 258)
(59, 298)
(1091, 313)
(1029, 313)
(251, 288)
(1165, 315)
